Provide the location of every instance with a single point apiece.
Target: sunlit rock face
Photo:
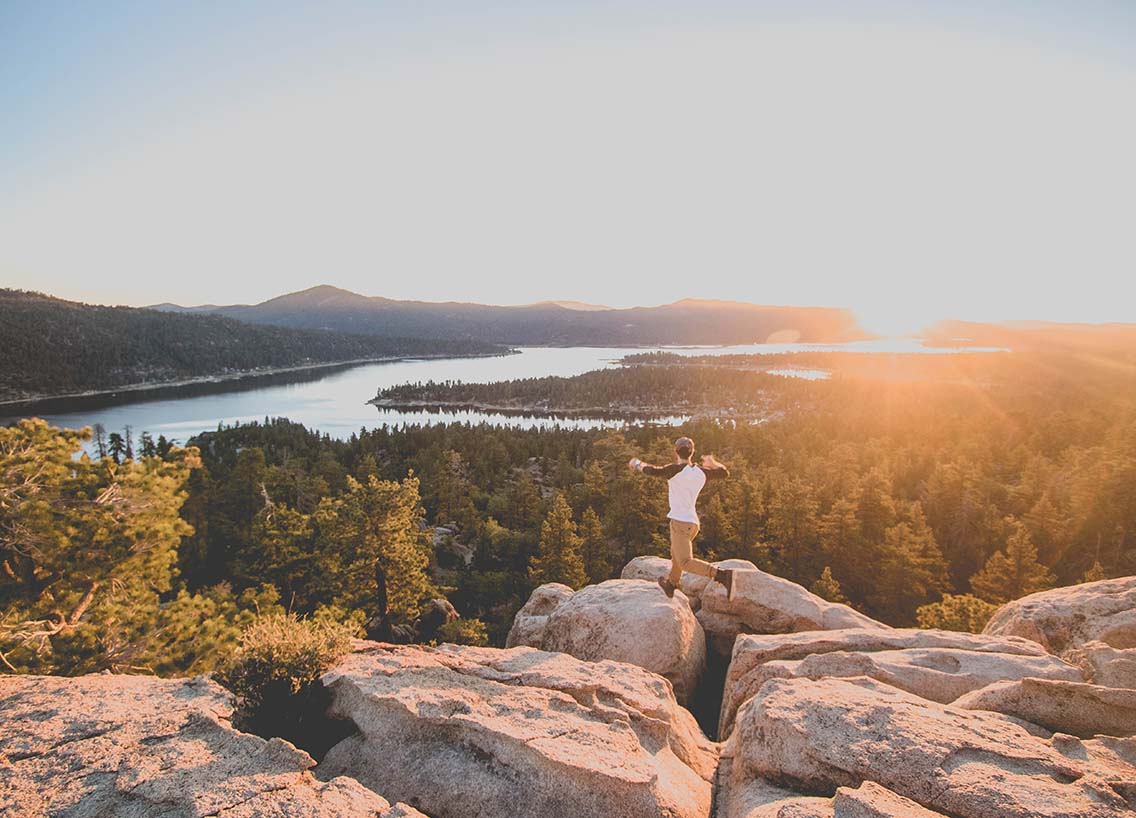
(761, 799)
(1080, 709)
(817, 735)
(762, 603)
(937, 665)
(622, 620)
(1065, 619)
(532, 619)
(461, 731)
(1104, 664)
(107, 745)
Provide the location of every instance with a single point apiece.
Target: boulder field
(825, 713)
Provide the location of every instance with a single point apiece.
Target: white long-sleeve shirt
(684, 483)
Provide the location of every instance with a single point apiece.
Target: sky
(911, 160)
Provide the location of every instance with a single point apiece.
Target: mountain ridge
(567, 323)
(51, 347)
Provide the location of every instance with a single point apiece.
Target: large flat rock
(1079, 709)
(939, 665)
(136, 746)
(1066, 618)
(462, 732)
(816, 736)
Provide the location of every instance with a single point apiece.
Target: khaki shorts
(682, 552)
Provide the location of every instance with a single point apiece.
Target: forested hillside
(676, 389)
(49, 346)
(921, 489)
(689, 321)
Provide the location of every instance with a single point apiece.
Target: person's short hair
(684, 447)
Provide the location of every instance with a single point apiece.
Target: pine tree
(87, 548)
(792, 527)
(1048, 528)
(749, 511)
(716, 531)
(597, 563)
(558, 558)
(912, 570)
(1013, 572)
(374, 551)
(827, 587)
(524, 505)
(843, 546)
(1095, 573)
(451, 491)
(874, 507)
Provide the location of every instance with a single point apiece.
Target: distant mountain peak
(572, 305)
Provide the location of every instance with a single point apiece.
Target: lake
(334, 399)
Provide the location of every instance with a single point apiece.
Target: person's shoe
(726, 577)
(667, 586)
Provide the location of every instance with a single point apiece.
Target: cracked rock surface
(938, 665)
(1084, 710)
(762, 603)
(110, 746)
(816, 736)
(1064, 619)
(484, 732)
(632, 621)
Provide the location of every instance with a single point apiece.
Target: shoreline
(599, 412)
(250, 374)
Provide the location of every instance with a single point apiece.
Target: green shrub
(961, 612)
(282, 651)
(464, 632)
(275, 675)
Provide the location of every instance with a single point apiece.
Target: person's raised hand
(708, 461)
(633, 463)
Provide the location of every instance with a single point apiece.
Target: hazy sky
(912, 160)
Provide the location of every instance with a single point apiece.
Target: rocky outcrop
(466, 732)
(692, 585)
(763, 603)
(1084, 710)
(816, 736)
(937, 674)
(631, 621)
(532, 618)
(138, 746)
(1105, 665)
(1067, 618)
(761, 799)
(938, 665)
(870, 800)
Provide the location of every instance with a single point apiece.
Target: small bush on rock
(464, 632)
(961, 612)
(275, 676)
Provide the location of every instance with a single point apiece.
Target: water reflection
(334, 399)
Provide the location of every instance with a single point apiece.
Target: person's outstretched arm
(713, 469)
(635, 464)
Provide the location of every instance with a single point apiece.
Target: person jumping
(684, 481)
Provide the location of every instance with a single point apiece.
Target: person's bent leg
(695, 565)
(682, 553)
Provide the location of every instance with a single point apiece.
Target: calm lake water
(334, 400)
